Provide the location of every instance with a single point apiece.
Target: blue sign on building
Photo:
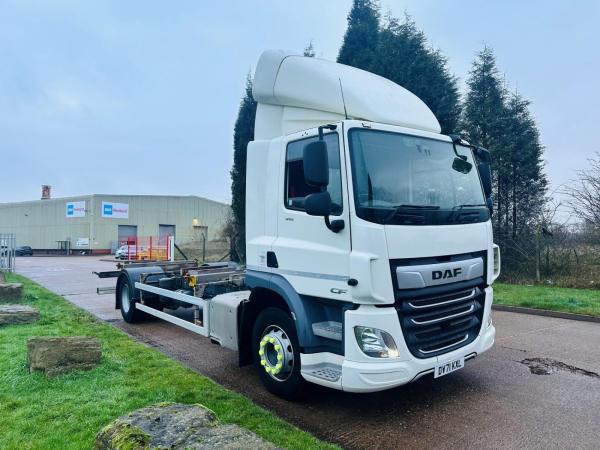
(75, 209)
(115, 210)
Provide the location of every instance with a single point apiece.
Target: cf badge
(338, 291)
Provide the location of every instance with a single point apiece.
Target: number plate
(448, 367)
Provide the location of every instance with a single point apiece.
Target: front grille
(440, 318)
(442, 322)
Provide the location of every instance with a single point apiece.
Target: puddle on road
(548, 366)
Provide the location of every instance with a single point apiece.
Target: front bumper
(372, 377)
(361, 373)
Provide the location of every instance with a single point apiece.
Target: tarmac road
(497, 401)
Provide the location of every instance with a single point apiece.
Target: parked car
(125, 251)
(23, 250)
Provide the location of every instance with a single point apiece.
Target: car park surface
(538, 387)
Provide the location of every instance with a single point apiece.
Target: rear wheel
(276, 353)
(128, 310)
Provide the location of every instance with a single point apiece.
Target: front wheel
(276, 353)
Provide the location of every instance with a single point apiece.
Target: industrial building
(99, 223)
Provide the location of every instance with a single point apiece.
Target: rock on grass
(11, 291)
(58, 355)
(17, 314)
(176, 426)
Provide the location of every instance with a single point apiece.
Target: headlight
(375, 342)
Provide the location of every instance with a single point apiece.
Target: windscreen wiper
(398, 208)
(454, 215)
(466, 205)
(416, 206)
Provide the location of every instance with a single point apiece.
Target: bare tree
(585, 193)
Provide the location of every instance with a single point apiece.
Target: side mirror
(462, 166)
(486, 178)
(316, 165)
(318, 204)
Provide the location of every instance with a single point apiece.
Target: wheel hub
(276, 353)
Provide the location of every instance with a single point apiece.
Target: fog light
(375, 342)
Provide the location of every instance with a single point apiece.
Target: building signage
(76, 209)
(82, 242)
(115, 210)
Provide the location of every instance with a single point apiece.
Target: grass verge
(578, 301)
(68, 411)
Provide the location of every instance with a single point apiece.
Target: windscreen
(403, 179)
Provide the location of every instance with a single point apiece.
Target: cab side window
(296, 188)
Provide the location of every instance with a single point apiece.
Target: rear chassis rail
(180, 284)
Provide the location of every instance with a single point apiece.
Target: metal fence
(150, 248)
(7, 252)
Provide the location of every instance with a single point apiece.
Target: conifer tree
(503, 123)
(242, 134)
(483, 121)
(526, 180)
(484, 109)
(362, 35)
(404, 56)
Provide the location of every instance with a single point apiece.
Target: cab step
(325, 371)
(328, 329)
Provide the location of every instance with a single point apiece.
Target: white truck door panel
(312, 258)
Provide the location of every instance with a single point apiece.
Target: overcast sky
(140, 97)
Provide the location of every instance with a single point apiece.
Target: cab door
(315, 260)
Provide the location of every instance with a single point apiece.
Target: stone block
(17, 314)
(11, 291)
(58, 355)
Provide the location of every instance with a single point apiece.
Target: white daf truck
(370, 256)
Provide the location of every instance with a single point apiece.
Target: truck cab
(369, 240)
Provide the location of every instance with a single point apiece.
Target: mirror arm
(336, 225)
(480, 152)
(328, 127)
(456, 139)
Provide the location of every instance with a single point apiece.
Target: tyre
(128, 310)
(276, 353)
